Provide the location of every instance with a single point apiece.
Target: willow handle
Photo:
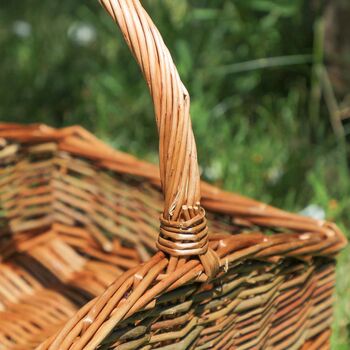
(183, 224)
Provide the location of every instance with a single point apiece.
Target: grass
(263, 109)
(341, 329)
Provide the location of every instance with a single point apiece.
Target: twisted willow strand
(177, 149)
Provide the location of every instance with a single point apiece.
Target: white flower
(274, 175)
(82, 33)
(214, 171)
(314, 211)
(22, 29)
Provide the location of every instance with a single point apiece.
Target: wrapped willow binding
(85, 263)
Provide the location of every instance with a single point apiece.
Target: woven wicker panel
(255, 306)
(72, 223)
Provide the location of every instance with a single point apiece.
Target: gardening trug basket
(84, 264)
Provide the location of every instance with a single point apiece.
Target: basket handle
(183, 229)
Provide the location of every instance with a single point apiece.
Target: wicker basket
(84, 264)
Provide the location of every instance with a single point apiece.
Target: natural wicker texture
(74, 220)
(86, 266)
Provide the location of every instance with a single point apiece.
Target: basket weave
(84, 264)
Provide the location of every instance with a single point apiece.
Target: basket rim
(78, 141)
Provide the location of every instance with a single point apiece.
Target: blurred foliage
(261, 123)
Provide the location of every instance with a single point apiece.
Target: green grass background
(254, 70)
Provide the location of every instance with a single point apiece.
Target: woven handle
(183, 226)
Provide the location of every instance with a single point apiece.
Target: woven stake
(183, 225)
